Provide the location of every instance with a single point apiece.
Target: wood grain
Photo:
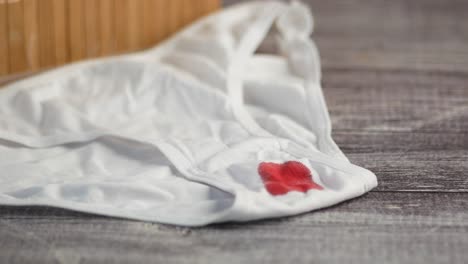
(409, 127)
(92, 28)
(136, 34)
(31, 34)
(162, 20)
(149, 23)
(4, 47)
(174, 14)
(47, 52)
(189, 11)
(208, 6)
(17, 49)
(77, 30)
(121, 25)
(107, 26)
(37, 35)
(388, 227)
(60, 31)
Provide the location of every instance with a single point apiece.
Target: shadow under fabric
(197, 130)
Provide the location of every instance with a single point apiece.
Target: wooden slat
(61, 31)
(17, 49)
(4, 50)
(40, 34)
(135, 34)
(92, 28)
(77, 33)
(31, 33)
(209, 6)
(174, 13)
(107, 26)
(161, 17)
(431, 171)
(394, 94)
(419, 41)
(189, 10)
(387, 203)
(47, 53)
(149, 23)
(388, 227)
(121, 25)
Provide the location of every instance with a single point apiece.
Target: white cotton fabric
(175, 134)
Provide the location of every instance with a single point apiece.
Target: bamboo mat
(38, 34)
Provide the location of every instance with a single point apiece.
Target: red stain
(290, 176)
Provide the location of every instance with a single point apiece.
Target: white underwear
(197, 130)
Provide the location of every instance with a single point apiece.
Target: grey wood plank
(412, 132)
(400, 101)
(387, 203)
(379, 227)
(406, 161)
(399, 34)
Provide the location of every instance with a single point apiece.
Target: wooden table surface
(396, 83)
